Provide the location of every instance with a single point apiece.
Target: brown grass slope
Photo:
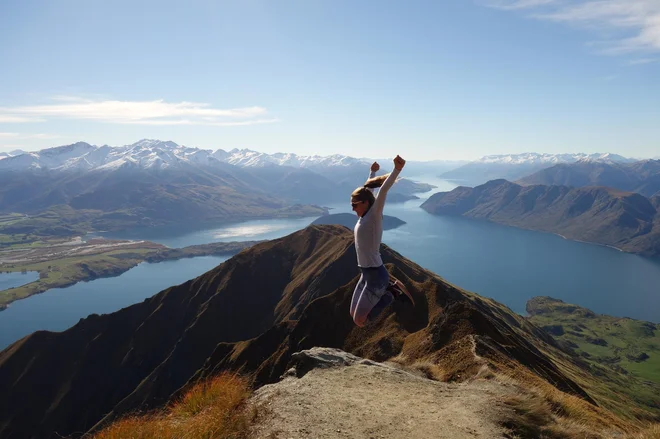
(601, 215)
(251, 313)
(215, 408)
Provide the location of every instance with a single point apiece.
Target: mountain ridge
(624, 220)
(152, 182)
(151, 153)
(252, 313)
(642, 176)
(516, 166)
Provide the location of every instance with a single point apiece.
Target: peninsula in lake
(62, 262)
(624, 220)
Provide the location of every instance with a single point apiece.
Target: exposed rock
(557, 330)
(344, 396)
(597, 341)
(638, 358)
(322, 358)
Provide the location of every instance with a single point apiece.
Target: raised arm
(379, 204)
(372, 173)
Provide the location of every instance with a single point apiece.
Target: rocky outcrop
(332, 394)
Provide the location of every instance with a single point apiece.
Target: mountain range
(625, 220)
(157, 154)
(515, 166)
(4, 155)
(156, 182)
(642, 177)
(252, 313)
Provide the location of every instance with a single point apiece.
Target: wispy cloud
(28, 136)
(520, 4)
(9, 118)
(636, 62)
(634, 24)
(156, 112)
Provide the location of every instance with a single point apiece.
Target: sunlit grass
(214, 409)
(652, 432)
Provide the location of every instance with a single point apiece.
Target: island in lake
(349, 220)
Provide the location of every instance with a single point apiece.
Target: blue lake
(508, 264)
(60, 308)
(13, 280)
(177, 237)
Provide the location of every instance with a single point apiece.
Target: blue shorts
(370, 296)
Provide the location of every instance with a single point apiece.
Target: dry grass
(532, 416)
(422, 367)
(652, 432)
(537, 408)
(568, 409)
(214, 409)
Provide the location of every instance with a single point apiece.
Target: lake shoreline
(119, 263)
(654, 257)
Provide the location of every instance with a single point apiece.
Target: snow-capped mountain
(515, 166)
(249, 158)
(4, 155)
(156, 154)
(642, 176)
(108, 178)
(552, 159)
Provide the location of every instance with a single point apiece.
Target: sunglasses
(355, 203)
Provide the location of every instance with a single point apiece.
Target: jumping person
(373, 292)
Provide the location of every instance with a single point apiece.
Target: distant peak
(155, 142)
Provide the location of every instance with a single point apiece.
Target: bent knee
(360, 320)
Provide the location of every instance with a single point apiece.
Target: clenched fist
(399, 163)
(375, 167)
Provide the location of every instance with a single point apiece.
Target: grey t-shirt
(369, 228)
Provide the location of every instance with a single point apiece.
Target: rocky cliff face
(252, 313)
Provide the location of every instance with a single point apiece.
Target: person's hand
(399, 163)
(375, 167)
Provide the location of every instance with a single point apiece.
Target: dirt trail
(372, 400)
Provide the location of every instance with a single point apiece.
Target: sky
(429, 80)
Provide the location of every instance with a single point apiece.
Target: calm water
(13, 280)
(505, 263)
(61, 308)
(177, 237)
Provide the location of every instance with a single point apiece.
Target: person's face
(359, 207)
